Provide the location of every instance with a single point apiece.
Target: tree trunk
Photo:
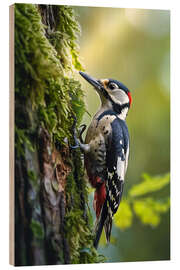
(52, 217)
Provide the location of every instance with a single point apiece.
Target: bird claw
(74, 146)
(81, 131)
(79, 142)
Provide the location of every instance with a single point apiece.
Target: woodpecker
(106, 151)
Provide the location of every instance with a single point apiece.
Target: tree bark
(52, 217)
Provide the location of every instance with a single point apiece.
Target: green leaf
(149, 185)
(161, 206)
(123, 217)
(149, 210)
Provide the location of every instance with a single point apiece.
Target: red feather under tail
(99, 198)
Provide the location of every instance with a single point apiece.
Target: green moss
(47, 95)
(78, 218)
(36, 227)
(64, 38)
(41, 77)
(32, 177)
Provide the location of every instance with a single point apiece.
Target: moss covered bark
(52, 218)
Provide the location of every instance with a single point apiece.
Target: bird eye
(112, 86)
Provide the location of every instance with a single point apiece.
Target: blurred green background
(133, 46)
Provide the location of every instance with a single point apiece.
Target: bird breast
(97, 137)
(99, 129)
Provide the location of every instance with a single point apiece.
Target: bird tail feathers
(108, 227)
(104, 220)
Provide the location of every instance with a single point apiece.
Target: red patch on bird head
(130, 98)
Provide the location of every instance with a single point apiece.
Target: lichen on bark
(52, 217)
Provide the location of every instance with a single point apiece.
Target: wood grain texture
(11, 136)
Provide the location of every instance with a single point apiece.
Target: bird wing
(116, 162)
(116, 168)
(117, 149)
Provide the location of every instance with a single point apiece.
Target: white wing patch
(127, 157)
(120, 168)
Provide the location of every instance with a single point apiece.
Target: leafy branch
(141, 202)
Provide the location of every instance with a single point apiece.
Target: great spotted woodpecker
(106, 151)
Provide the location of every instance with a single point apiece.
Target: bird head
(113, 93)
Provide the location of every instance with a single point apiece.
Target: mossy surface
(47, 98)
(78, 218)
(43, 80)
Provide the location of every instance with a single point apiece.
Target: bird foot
(79, 142)
(81, 131)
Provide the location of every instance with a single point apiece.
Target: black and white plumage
(116, 164)
(106, 151)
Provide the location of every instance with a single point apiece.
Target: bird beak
(92, 81)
